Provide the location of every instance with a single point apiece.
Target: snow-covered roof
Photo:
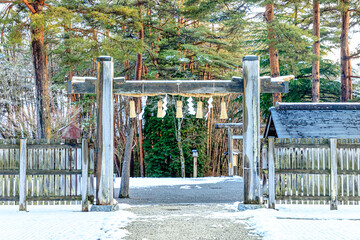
(314, 120)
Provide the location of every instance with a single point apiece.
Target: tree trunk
(138, 71)
(40, 69)
(316, 51)
(273, 53)
(142, 165)
(125, 173)
(41, 82)
(346, 82)
(178, 138)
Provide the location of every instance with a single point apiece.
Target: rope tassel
(179, 112)
(132, 109)
(199, 109)
(160, 113)
(223, 114)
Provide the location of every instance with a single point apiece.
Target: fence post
(271, 163)
(230, 152)
(333, 175)
(84, 176)
(22, 176)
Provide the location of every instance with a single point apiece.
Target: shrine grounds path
(186, 212)
(228, 191)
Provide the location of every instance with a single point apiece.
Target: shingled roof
(314, 120)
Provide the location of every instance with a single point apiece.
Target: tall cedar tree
(273, 53)
(138, 74)
(346, 81)
(316, 51)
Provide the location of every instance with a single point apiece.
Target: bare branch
(355, 55)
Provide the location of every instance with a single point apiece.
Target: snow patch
(157, 182)
(63, 222)
(298, 221)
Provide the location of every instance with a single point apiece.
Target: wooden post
(22, 176)
(333, 175)
(251, 143)
(84, 176)
(195, 167)
(271, 162)
(230, 152)
(105, 131)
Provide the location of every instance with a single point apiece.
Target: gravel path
(228, 191)
(186, 212)
(185, 222)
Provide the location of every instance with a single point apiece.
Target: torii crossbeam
(105, 85)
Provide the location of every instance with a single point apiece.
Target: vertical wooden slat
(342, 159)
(68, 177)
(57, 163)
(79, 167)
(334, 193)
(73, 177)
(22, 176)
(12, 177)
(358, 169)
(2, 193)
(282, 165)
(17, 167)
(41, 177)
(352, 167)
(35, 155)
(318, 184)
(46, 164)
(291, 163)
(278, 179)
(91, 191)
(51, 167)
(322, 176)
(84, 182)
(6, 177)
(271, 162)
(29, 177)
(307, 166)
(347, 189)
(327, 177)
(63, 178)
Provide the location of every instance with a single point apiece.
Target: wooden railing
(36, 172)
(310, 171)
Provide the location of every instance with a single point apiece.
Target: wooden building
(313, 154)
(314, 120)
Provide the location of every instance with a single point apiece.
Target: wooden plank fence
(35, 172)
(312, 171)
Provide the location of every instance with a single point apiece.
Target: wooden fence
(313, 171)
(35, 172)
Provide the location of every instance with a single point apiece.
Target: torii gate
(105, 85)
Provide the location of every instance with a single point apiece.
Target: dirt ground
(186, 222)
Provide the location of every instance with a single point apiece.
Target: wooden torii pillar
(106, 84)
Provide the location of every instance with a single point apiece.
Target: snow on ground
(156, 182)
(300, 221)
(62, 222)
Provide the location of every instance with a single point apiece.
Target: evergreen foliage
(185, 39)
(160, 145)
